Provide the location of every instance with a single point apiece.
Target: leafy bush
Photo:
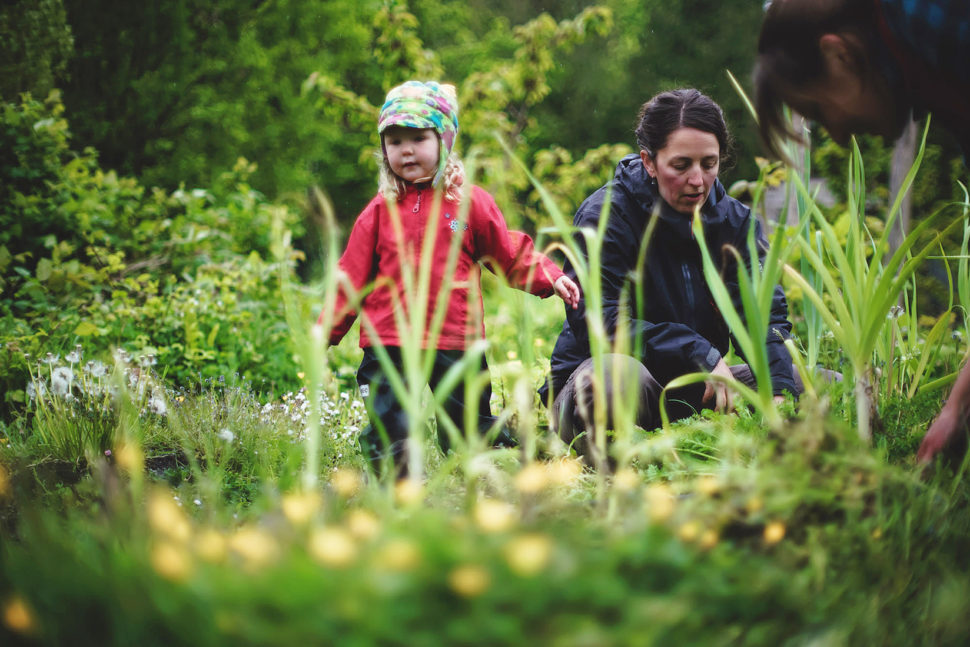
(192, 277)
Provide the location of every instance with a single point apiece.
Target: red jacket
(374, 261)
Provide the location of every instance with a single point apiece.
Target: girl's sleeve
(357, 267)
(511, 253)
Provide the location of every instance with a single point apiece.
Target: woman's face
(685, 169)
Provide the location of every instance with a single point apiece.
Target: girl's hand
(567, 290)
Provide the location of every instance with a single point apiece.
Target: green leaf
(86, 329)
(44, 269)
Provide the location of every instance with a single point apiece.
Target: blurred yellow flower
(210, 545)
(708, 539)
(754, 504)
(363, 525)
(333, 547)
(256, 546)
(299, 507)
(400, 555)
(346, 482)
(564, 471)
(166, 517)
(129, 457)
(708, 485)
(469, 580)
(301, 374)
(528, 554)
(408, 492)
(171, 561)
(774, 532)
(494, 516)
(660, 502)
(17, 616)
(625, 480)
(689, 530)
(532, 478)
(877, 533)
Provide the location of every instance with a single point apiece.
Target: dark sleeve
(661, 343)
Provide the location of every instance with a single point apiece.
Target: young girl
(420, 189)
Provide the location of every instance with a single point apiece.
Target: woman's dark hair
(684, 108)
(789, 57)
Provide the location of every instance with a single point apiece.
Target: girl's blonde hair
(392, 187)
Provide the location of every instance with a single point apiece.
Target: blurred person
(871, 66)
(421, 185)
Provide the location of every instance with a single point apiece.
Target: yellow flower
(528, 554)
(532, 478)
(300, 374)
(408, 492)
(660, 502)
(494, 516)
(299, 508)
(210, 545)
(689, 531)
(708, 485)
(512, 354)
(774, 532)
(363, 525)
(754, 504)
(877, 533)
(17, 616)
(399, 555)
(565, 471)
(333, 547)
(625, 480)
(130, 458)
(171, 561)
(167, 518)
(254, 545)
(469, 580)
(709, 539)
(346, 482)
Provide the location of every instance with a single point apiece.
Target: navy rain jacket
(681, 330)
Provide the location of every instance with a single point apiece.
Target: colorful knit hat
(419, 104)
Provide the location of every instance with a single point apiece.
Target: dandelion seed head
(62, 378)
(225, 434)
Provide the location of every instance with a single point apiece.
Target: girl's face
(412, 153)
(685, 169)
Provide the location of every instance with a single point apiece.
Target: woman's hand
(567, 290)
(723, 396)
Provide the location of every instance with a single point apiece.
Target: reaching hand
(567, 290)
(941, 435)
(723, 396)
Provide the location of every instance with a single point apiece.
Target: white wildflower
(157, 405)
(36, 389)
(75, 355)
(226, 435)
(61, 379)
(96, 369)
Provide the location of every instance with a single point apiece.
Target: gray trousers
(572, 410)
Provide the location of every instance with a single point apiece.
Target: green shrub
(191, 277)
